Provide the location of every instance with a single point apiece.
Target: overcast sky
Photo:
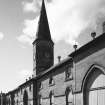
(70, 21)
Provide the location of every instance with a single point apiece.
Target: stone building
(77, 80)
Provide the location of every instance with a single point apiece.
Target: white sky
(70, 21)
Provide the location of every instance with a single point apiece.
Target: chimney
(103, 25)
(93, 35)
(59, 58)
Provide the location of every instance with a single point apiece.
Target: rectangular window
(20, 91)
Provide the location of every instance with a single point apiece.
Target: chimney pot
(75, 46)
(93, 35)
(29, 78)
(59, 58)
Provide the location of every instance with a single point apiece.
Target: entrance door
(97, 97)
(95, 89)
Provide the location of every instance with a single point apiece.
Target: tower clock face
(47, 54)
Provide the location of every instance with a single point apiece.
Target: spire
(43, 31)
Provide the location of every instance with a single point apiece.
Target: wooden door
(96, 93)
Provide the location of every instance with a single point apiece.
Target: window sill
(68, 79)
(51, 85)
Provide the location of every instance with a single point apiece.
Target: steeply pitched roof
(43, 32)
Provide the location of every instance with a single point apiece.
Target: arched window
(51, 81)
(17, 102)
(51, 95)
(25, 98)
(9, 101)
(94, 87)
(39, 100)
(69, 96)
(21, 90)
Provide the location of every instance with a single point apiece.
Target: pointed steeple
(43, 46)
(43, 31)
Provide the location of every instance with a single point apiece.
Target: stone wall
(82, 64)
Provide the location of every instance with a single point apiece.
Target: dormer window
(68, 73)
(51, 81)
(40, 85)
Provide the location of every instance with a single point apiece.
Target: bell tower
(43, 46)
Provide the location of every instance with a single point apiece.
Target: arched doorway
(94, 87)
(25, 98)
